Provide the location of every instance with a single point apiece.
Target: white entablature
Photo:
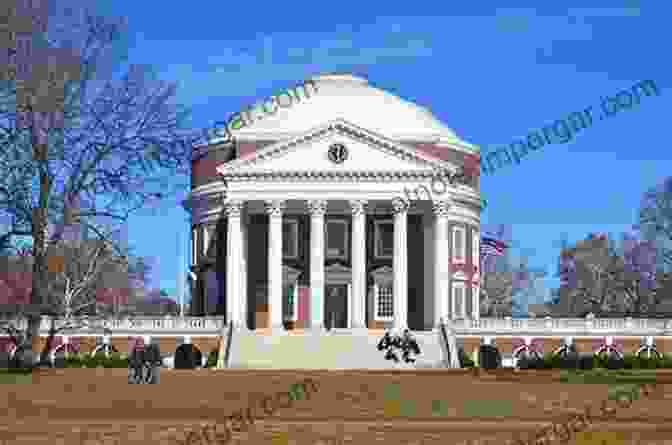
(376, 168)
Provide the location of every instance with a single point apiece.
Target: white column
(400, 265)
(206, 239)
(317, 209)
(207, 305)
(475, 301)
(476, 284)
(441, 263)
(358, 290)
(274, 210)
(243, 272)
(233, 259)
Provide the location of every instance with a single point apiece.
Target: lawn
(14, 377)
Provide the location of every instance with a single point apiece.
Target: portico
(305, 228)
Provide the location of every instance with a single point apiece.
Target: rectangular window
(459, 247)
(336, 239)
(476, 298)
(290, 238)
(290, 304)
(384, 302)
(384, 239)
(475, 253)
(194, 244)
(458, 300)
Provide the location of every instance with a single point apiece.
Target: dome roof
(328, 97)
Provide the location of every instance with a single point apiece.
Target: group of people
(406, 343)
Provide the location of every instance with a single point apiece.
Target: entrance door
(336, 306)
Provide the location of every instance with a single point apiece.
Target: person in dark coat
(408, 345)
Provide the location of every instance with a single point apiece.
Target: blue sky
(491, 73)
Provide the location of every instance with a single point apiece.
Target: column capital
(358, 206)
(233, 208)
(399, 206)
(317, 207)
(441, 208)
(274, 207)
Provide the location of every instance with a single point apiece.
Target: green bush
(16, 370)
(552, 361)
(115, 360)
(465, 359)
(212, 358)
(666, 361)
(601, 360)
(648, 363)
(74, 360)
(606, 376)
(629, 391)
(630, 361)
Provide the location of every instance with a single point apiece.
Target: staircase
(335, 349)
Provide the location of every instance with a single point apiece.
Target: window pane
(459, 295)
(336, 239)
(289, 303)
(459, 243)
(385, 239)
(289, 239)
(475, 255)
(385, 301)
(211, 248)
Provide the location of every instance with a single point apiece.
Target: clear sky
(490, 73)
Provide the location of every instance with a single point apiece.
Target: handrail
(444, 336)
(451, 348)
(228, 345)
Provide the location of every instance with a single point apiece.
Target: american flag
(492, 247)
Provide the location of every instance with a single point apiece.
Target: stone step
(334, 350)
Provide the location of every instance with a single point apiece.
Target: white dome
(351, 98)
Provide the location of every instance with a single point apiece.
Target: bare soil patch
(89, 406)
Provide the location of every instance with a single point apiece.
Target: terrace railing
(537, 327)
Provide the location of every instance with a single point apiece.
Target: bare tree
(496, 298)
(587, 276)
(602, 277)
(74, 270)
(503, 282)
(637, 279)
(503, 285)
(655, 221)
(75, 129)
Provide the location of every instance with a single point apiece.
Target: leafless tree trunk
(76, 130)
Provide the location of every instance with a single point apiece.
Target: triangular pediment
(382, 275)
(290, 274)
(364, 151)
(337, 274)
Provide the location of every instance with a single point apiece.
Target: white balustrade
(536, 327)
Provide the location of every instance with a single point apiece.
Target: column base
(359, 330)
(278, 330)
(317, 329)
(240, 328)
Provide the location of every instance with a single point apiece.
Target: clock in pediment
(337, 153)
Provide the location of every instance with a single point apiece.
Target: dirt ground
(98, 406)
